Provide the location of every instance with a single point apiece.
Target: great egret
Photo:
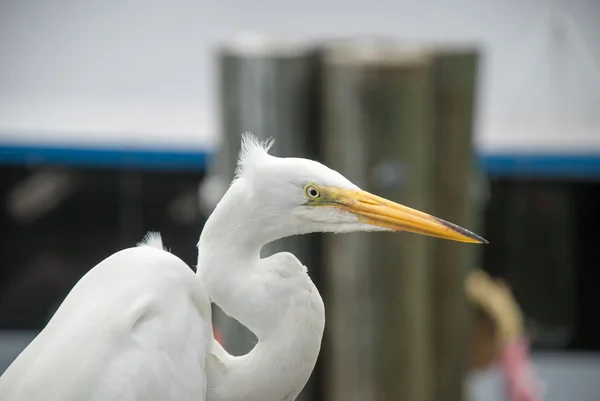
(138, 325)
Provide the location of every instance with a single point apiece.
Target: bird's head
(300, 196)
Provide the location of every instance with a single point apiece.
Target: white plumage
(138, 325)
(139, 317)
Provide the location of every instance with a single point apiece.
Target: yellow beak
(378, 211)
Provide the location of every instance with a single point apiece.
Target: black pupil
(313, 192)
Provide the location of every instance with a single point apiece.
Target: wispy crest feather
(252, 149)
(153, 240)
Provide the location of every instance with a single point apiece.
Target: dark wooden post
(455, 201)
(378, 108)
(268, 88)
(398, 122)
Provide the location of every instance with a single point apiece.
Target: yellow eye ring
(312, 192)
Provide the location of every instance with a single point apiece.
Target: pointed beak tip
(468, 235)
(479, 240)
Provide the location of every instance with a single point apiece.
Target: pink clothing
(523, 384)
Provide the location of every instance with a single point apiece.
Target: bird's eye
(312, 192)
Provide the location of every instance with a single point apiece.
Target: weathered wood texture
(377, 129)
(455, 180)
(269, 90)
(398, 122)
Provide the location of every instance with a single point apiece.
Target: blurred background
(120, 117)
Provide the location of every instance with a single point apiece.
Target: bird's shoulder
(144, 268)
(150, 276)
(136, 326)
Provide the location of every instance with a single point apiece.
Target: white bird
(138, 325)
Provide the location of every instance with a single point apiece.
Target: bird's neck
(287, 323)
(229, 257)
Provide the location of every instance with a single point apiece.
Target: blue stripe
(155, 159)
(500, 164)
(542, 165)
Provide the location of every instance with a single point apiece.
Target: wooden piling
(377, 117)
(269, 88)
(455, 180)
(397, 121)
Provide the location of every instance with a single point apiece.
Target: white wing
(135, 327)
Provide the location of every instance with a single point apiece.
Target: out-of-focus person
(498, 336)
